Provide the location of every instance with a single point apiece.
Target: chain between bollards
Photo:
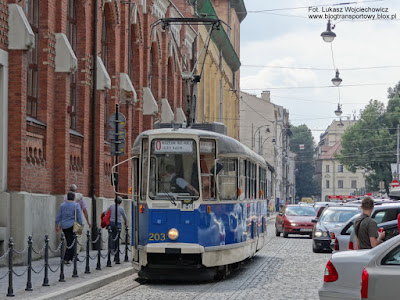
(10, 292)
(46, 261)
(98, 267)
(62, 277)
(29, 281)
(87, 269)
(75, 271)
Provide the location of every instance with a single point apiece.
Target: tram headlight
(173, 234)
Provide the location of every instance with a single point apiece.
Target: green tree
(305, 169)
(371, 143)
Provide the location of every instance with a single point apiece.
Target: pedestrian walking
(66, 215)
(121, 212)
(365, 227)
(81, 201)
(83, 205)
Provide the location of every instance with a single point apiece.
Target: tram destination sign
(173, 146)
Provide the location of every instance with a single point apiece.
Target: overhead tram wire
(319, 69)
(315, 87)
(319, 5)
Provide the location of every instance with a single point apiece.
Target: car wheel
(277, 233)
(285, 234)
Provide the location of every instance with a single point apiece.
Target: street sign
(118, 148)
(121, 134)
(394, 183)
(301, 146)
(117, 118)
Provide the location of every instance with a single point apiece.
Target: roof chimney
(266, 96)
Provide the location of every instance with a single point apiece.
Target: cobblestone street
(283, 269)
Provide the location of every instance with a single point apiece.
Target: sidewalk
(72, 287)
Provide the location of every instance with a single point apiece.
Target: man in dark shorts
(365, 227)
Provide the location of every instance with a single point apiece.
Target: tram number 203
(156, 236)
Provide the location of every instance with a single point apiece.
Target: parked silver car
(344, 238)
(382, 214)
(380, 278)
(342, 277)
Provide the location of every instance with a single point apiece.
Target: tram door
(135, 209)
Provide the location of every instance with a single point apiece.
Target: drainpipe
(94, 123)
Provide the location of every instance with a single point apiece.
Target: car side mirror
(314, 220)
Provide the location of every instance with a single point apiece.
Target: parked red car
(295, 219)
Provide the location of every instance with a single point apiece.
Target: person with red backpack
(121, 212)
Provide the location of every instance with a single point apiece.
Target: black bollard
(62, 277)
(98, 267)
(109, 247)
(116, 258)
(75, 271)
(10, 292)
(126, 243)
(87, 269)
(29, 281)
(46, 261)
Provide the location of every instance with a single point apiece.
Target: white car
(342, 278)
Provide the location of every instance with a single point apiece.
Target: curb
(84, 285)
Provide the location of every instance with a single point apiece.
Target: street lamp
(338, 111)
(261, 150)
(337, 80)
(328, 35)
(253, 138)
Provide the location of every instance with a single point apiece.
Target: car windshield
(173, 169)
(300, 211)
(337, 216)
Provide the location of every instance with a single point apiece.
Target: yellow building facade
(218, 95)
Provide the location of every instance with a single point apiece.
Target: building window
(32, 12)
(354, 184)
(340, 184)
(340, 168)
(104, 58)
(327, 184)
(72, 33)
(327, 168)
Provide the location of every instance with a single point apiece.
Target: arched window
(104, 58)
(32, 13)
(72, 36)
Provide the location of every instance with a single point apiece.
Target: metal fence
(29, 250)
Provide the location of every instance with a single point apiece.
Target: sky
(282, 51)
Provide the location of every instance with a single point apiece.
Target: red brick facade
(44, 155)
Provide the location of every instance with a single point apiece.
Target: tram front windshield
(173, 169)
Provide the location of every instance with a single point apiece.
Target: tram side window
(207, 161)
(242, 180)
(145, 162)
(262, 183)
(254, 180)
(248, 192)
(227, 179)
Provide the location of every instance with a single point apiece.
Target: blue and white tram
(199, 202)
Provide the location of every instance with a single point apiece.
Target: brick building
(64, 65)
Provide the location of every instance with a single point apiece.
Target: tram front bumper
(175, 248)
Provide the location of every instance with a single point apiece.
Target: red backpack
(105, 219)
